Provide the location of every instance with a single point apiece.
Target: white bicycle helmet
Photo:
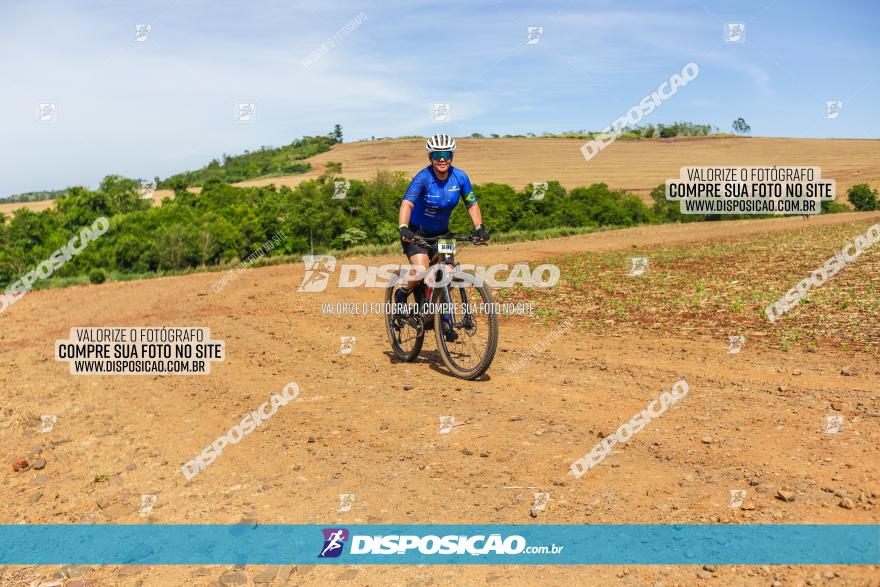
(440, 143)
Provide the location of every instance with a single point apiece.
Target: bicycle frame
(442, 261)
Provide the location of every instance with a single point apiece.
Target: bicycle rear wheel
(469, 338)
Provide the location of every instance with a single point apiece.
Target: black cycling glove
(481, 233)
(406, 234)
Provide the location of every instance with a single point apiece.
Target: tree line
(224, 223)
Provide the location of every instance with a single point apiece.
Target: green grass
(721, 288)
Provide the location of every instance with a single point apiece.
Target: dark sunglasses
(437, 155)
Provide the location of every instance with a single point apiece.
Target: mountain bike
(452, 303)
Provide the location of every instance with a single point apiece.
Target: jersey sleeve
(470, 198)
(416, 188)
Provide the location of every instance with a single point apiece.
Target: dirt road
(368, 426)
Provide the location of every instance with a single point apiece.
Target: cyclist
(431, 197)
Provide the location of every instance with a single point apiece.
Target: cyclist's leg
(418, 269)
(419, 257)
(418, 264)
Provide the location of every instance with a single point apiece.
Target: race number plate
(446, 246)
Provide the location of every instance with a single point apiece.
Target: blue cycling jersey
(435, 199)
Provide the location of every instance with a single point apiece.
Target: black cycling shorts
(410, 249)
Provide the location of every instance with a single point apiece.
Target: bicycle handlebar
(459, 237)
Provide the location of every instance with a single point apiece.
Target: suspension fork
(466, 320)
(447, 301)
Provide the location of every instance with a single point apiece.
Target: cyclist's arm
(413, 193)
(406, 208)
(470, 200)
(475, 214)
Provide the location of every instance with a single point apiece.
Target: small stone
(103, 502)
(846, 503)
(232, 579)
(704, 575)
(39, 464)
(20, 465)
(747, 505)
(311, 439)
(850, 371)
(117, 510)
(484, 454)
(347, 575)
(754, 481)
(466, 451)
(710, 568)
(35, 497)
(785, 495)
(706, 440)
(130, 570)
(407, 387)
(72, 571)
(285, 571)
(266, 576)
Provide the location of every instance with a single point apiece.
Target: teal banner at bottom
(648, 544)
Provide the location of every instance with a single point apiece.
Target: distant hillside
(267, 161)
(635, 166)
(34, 196)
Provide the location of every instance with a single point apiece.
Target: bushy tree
(862, 197)
(741, 127)
(668, 211)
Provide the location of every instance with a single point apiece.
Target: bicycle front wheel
(465, 326)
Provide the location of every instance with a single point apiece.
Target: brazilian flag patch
(471, 198)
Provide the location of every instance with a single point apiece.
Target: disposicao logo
(334, 541)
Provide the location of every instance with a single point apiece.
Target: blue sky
(167, 104)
